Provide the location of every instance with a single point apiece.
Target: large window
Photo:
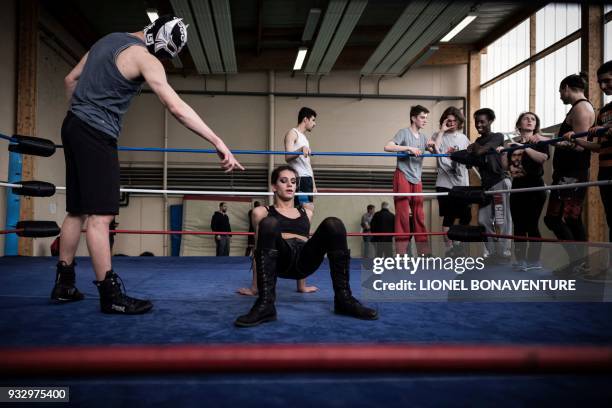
(550, 71)
(554, 22)
(553, 57)
(506, 52)
(508, 98)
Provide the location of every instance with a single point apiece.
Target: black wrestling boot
(344, 302)
(114, 300)
(64, 289)
(263, 310)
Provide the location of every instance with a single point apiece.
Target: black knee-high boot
(344, 302)
(263, 310)
(64, 289)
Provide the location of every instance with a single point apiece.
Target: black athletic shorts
(92, 169)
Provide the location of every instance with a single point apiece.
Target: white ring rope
(341, 194)
(2, 184)
(554, 187)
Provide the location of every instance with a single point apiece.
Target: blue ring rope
(276, 152)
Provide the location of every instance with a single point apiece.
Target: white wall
(242, 121)
(7, 95)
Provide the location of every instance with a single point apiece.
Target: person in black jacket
(220, 223)
(383, 221)
(494, 215)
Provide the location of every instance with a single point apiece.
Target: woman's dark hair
(451, 110)
(522, 115)
(277, 171)
(575, 81)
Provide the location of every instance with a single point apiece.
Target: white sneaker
(532, 266)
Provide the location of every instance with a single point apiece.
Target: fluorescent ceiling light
(464, 23)
(153, 15)
(299, 60)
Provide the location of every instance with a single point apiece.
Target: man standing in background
(297, 142)
(407, 179)
(383, 221)
(220, 223)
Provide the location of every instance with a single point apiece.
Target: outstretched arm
(153, 72)
(494, 143)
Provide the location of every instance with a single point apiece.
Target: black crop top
(299, 226)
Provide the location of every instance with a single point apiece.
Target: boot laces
(117, 281)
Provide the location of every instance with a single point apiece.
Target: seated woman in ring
(282, 249)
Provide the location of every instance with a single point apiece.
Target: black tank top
(103, 94)
(569, 162)
(299, 226)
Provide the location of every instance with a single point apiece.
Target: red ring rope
(350, 234)
(303, 357)
(11, 231)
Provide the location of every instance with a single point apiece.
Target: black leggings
(526, 209)
(452, 210)
(298, 259)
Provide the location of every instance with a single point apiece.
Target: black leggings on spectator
(526, 209)
(451, 210)
(298, 259)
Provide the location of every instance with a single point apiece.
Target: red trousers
(403, 222)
